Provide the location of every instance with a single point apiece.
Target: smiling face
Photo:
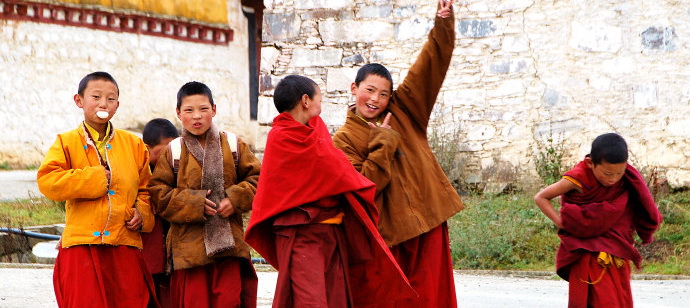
(196, 113)
(100, 97)
(371, 96)
(606, 173)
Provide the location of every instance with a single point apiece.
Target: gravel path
(32, 287)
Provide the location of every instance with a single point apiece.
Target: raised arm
(417, 94)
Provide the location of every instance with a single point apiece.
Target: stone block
(510, 87)
(281, 27)
(595, 37)
(413, 29)
(357, 59)
(355, 31)
(464, 97)
(316, 57)
(320, 14)
(470, 147)
(321, 4)
(481, 132)
(340, 79)
(645, 95)
(509, 66)
(266, 110)
(476, 28)
(269, 56)
(515, 44)
(375, 11)
(659, 38)
(514, 5)
(553, 99)
(333, 114)
(404, 11)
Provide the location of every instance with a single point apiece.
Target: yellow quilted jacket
(96, 213)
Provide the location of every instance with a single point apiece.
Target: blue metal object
(30, 234)
(259, 261)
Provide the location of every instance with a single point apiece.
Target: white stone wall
(522, 70)
(42, 64)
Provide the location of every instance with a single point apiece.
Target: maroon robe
(300, 167)
(603, 219)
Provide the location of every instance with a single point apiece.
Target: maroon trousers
(426, 261)
(312, 268)
(230, 282)
(613, 290)
(102, 276)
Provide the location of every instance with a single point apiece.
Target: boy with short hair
(385, 139)
(314, 216)
(604, 201)
(102, 173)
(157, 134)
(203, 193)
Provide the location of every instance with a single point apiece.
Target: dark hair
(95, 76)
(157, 129)
(610, 148)
(193, 88)
(373, 69)
(290, 89)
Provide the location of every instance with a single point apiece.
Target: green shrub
(548, 160)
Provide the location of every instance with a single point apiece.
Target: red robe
(603, 219)
(301, 166)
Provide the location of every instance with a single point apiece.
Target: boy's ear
(214, 110)
(353, 88)
(305, 101)
(78, 101)
(177, 111)
(589, 162)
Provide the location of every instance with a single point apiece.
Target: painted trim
(108, 20)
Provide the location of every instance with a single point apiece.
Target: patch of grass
(31, 212)
(510, 232)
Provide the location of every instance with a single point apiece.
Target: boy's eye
(95, 96)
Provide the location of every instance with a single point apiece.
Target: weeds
(549, 158)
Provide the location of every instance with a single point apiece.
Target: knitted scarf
(217, 230)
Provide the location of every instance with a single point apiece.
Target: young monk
(384, 137)
(604, 201)
(312, 215)
(102, 173)
(157, 134)
(203, 193)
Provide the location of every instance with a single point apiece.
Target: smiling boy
(604, 201)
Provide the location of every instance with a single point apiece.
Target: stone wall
(523, 71)
(41, 65)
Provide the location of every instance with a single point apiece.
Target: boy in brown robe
(413, 195)
(203, 202)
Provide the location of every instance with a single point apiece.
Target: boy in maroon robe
(313, 215)
(604, 201)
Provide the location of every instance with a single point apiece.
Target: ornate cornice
(109, 20)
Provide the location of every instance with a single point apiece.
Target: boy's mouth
(197, 125)
(372, 107)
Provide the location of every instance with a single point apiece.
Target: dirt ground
(32, 287)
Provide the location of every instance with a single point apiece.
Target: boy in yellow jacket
(102, 173)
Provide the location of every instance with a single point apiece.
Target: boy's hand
(446, 8)
(383, 124)
(136, 222)
(210, 207)
(226, 209)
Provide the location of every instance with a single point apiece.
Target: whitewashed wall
(522, 70)
(42, 64)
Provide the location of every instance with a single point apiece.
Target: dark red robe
(603, 219)
(301, 166)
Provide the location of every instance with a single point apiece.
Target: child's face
(196, 113)
(606, 173)
(155, 151)
(372, 96)
(100, 98)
